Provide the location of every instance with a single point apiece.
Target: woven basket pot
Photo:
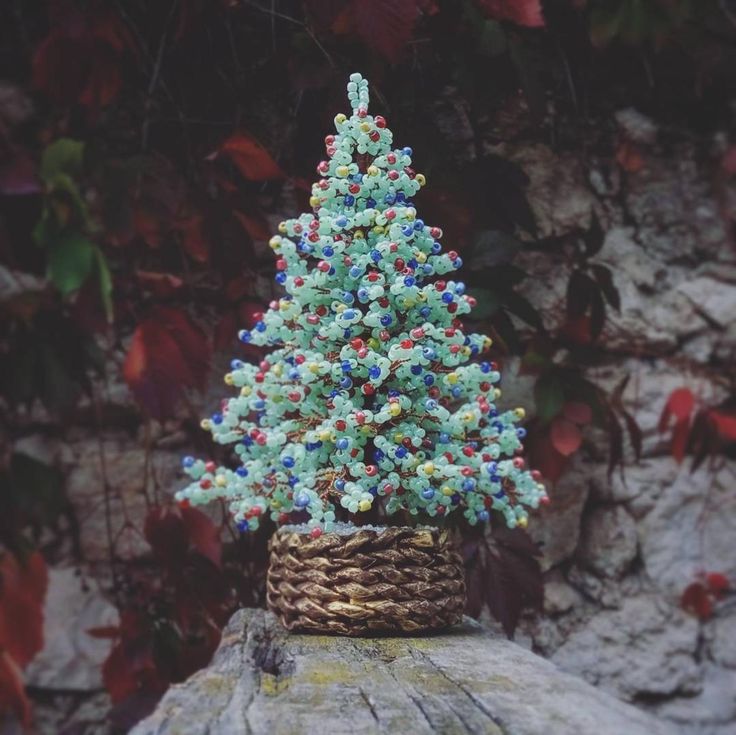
(387, 580)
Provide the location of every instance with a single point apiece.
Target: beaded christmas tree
(372, 394)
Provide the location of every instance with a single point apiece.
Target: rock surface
(263, 680)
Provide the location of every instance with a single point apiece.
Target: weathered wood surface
(266, 681)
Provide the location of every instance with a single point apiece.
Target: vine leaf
(250, 157)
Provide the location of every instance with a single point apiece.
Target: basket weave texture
(396, 579)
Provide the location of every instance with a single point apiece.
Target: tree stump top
(264, 680)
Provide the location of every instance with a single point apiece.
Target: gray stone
(609, 541)
(646, 648)
(723, 639)
(691, 527)
(712, 297)
(637, 127)
(263, 680)
(559, 596)
(71, 659)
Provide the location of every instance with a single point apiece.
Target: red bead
(362, 352)
(388, 488)
(205, 484)
(384, 335)
(323, 266)
(380, 121)
(468, 451)
(184, 503)
(360, 417)
(454, 349)
(281, 264)
(440, 285)
(417, 333)
(315, 532)
(371, 470)
(390, 214)
(406, 441)
(393, 175)
(391, 158)
(298, 281)
(259, 377)
(435, 232)
(448, 456)
(374, 135)
(399, 264)
(368, 389)
(321, 310)
(406, 344)
(329, 139)
(340, 425)
(294, 397)
(452, 255)
(373, 276)
(452, 308)
(313, 236)
(210, 467)
(519, 463)
(545, 500)
(440, 510)
(354, 188)
(283, 518)
(299, 359)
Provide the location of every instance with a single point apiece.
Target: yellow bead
(342, 171)
(220, 480)
(275, 504)
(324, 435)
(428, 468)
(468, 417)
(340, 118)
(487, 342)
(421, 179)
(274, 242)
(205, 424)
(452, 378)
(420, 257)
(228, 379)
(245, 391)
(364, 505)
(398, 436)
(313, 367)
(522, 522)
(282, 227)
(366, 127)
(394, 409)
(314, 202)
(410, 215)
(373, 171)
(497, 393)
(520, 413)
(447, 490)
(421, 297)
(373, 343)
(358, 235)
(340, 308)
(379, 229)
(466, 350)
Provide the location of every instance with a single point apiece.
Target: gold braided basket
(394, 579)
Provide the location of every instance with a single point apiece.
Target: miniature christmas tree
(373, 394)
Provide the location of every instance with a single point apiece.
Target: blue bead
(243, 526)
(236, 364)
(247, 442)
(260, 326)
(259, 404)
(370, 203)
(331, 272)
(430, 404)
(393, 393)
(521, 432)
(428, 379)
(328, 252)
(416, 369)
(460, 288)
(425, 311)
(347, 333)
(485, 367)
(443, 438)
(375, 256)
(456, 391)
(349, 200)
(301, 500)
(340, 484)
(436, 247)
(362, 294)
(458, 263)
(429, 353)
(346, 383)
(407, 231)
(345, 366)
(347, 297)
(428, 493)
(293, 480)
(342, 443)
(412, 263)
(187, 461)
(341, 221)
(241, 472)
(483, 515)
(389, 199)
(244, 336)
(280, 278)
(491, 468)
(401, 452)
(374, 372)
(334, 393)
(469, 485)
(373, 491)
(447, 297)
(294, 375)
(386, 320)
(407, 151)
(355, 271)
(400, 197)
(348, 314)
(378, 455)
(409, 280)
(216, 418)
(418, 225)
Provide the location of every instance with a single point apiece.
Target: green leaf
(493, 247)
(549, 395)
(487, 306)
(71, 259)
(105, 279)
(63, 156)
(491, 39)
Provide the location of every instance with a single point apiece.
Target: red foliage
(167, 355)
(22, 592)
(699, 597)
(171, 531)
(679, 406)
(251, 158)
(565, 436)
(521, 12)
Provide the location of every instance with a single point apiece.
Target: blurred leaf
(580, 290)
(521, 12)
(487, 303)
(105, 279)
(593, 237)
(579, 413)
(565, 436)
(491, 38)
(203, 534)
(63, 156)
(251, 158)
(492, 247)
(549, 395)
(597, 313)
(697, 601)
(604, 277)
(70, 262)
(384, 25)
(13, 697)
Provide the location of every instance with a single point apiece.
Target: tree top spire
(358, 93)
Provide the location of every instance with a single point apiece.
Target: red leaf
(544, 456)
(166, 535)
(578, 330)
(203, 534)
(521, 12)
(22, 592)
(167, 355)
(251, 158)
(193, 237)
(696, 600)
(12, 694)
(681, 403)
(578, 413)
(725, 424)
(718, 584)
(385, 25)
(565, 436)
(679, 439)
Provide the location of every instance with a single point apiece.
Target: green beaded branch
(372, 393)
